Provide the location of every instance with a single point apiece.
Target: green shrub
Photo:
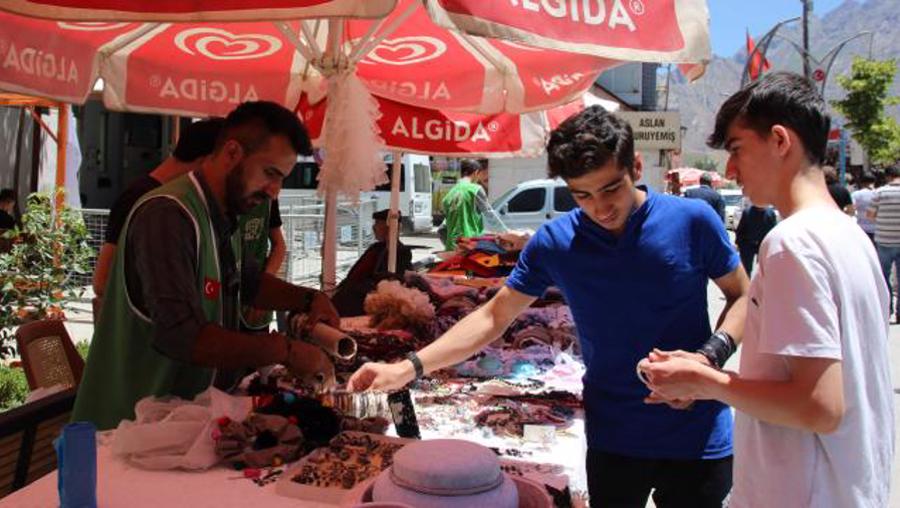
(83, 348)
(13, 387)
(37, 275)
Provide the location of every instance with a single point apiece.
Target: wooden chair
(48, 355)
(26, 439)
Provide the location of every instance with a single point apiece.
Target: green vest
(460, 212)
(254, 231)
(123, 366)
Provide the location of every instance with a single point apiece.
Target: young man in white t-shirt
(814, 396)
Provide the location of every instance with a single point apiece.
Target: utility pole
(807, 7)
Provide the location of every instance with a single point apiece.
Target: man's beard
(237, 199)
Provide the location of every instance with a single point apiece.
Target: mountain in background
(699, 101)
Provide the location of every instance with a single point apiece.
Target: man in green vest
(170, 320)
(466, 206)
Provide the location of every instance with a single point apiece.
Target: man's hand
(382, 377)
(310, 365)
(676, 375)
(656, 397)
(254, 314)
(321, 310)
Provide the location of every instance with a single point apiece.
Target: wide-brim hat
(449, 473)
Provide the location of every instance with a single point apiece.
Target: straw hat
(449, 473)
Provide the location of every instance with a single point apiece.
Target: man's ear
(780, 138)
(233, 152)
(638, 169)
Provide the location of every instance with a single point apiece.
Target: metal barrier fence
(304, 226)
(303, 220)
(96, 221)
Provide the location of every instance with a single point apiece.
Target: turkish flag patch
(211, 288)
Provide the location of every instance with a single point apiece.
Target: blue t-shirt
(628, 295)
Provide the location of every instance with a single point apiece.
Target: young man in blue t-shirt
(634, 267)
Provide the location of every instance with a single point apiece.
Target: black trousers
(616, 481)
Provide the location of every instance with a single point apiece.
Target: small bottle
(404, 414)
(76, 451)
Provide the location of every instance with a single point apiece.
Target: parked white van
(415, 191)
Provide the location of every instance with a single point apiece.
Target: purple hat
(449, 473)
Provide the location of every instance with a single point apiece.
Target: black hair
(782, 98)
(892, 171)
(867, 177)
(198, 139)
(706, 179)
(587, 141)
(831, 175)
(7, 195)
(468, 167)
(253, 123)
(383, 214)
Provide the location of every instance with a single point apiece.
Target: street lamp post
(807, 7)
(761, 47)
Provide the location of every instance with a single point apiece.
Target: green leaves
(36, 275)
(867, 86)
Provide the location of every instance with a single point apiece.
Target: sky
(728, 19)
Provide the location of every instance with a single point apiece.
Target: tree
(867, 87)
(707, 164)
(37, 275)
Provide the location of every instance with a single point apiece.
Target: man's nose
(731, 169)
(273, 189)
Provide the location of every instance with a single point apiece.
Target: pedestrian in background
(839, 192)
(885, 210)
(756, 222)
(708, 194)
(862, 201)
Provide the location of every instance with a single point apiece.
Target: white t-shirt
(819, 293)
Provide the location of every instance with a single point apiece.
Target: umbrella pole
(329, 243)
(329, 240)
(62, 139)
(393, 217)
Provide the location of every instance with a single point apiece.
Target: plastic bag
(174, 433)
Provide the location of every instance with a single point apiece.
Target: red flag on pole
(758, 63)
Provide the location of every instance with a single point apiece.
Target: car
(734, 205)
(531, 203)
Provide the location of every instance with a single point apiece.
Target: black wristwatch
(417, 364)
(718, 348)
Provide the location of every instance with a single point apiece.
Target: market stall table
(120, 484)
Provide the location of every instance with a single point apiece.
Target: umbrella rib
(354, 55)
(312, 40)
(294, 39)
(370, 45)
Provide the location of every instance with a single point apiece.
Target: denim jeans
(889, 256)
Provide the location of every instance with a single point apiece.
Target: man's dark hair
(468, 167)
(7, 195)
(253, 123)
(781, 98)
(706, 179)
(383, 214)
(867, 177)
(198, 139)
(892, 171)
(831, 175)
(587, 141)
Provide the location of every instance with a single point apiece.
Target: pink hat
(449, 473)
